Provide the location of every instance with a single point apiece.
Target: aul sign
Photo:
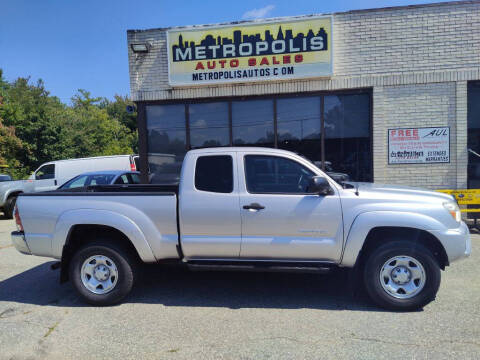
(419, 145)
(251, 52)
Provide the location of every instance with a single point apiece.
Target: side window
(45, 172)
(100, 179)
(76, 182)
(134, 179)
(273, 174)
(122, 179)
(214, 174)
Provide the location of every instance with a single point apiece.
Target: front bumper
(456, 242)
(18, 240)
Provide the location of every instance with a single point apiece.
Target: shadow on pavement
(179, 287)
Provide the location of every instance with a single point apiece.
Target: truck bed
(145, 213)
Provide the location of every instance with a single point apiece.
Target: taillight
(18, 221)
(133, 167)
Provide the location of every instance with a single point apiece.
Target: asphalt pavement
(174, 314)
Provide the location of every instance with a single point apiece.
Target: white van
(53, 174)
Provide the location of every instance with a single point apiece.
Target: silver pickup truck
(253, 209)
(9, 190)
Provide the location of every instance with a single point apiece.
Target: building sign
(465, 197)
(419, 145)
(250, 52)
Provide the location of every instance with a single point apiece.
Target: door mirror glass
(319, 185)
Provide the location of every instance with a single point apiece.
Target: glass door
(473, 114)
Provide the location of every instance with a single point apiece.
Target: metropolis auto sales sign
(419, 145)
(250, 52)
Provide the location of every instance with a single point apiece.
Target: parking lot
(175, 314)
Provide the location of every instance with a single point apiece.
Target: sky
(82, 44)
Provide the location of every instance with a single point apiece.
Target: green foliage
(36, 127)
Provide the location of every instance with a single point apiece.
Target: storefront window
(346, 122)
(166, 142)
(209, 124)
(473, 114)
(347, 135)
(298, 126)
(252, 123)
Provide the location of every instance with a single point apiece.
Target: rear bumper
(18, 240)
(456, 242)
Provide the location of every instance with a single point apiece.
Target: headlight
(454, 210)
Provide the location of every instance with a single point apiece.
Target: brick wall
(415, 106)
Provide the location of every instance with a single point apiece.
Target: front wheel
(102, 273)
(401, 275)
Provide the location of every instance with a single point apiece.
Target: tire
(9, 206)
(412, 265)
(120, 277)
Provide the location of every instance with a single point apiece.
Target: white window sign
(419, 145)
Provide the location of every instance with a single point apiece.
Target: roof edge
(239, 22)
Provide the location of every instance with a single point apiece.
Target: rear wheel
(9, 206)
(102, 273)
(402, 275)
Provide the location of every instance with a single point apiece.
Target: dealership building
(390, 95)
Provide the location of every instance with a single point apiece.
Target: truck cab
(257, 204)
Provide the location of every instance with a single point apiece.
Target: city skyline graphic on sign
(291, 44)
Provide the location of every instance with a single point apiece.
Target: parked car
(53, 174)
(251, 209)
(119, 177)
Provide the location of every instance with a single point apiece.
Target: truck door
(280, 220)
(45, 178)
(209, 213)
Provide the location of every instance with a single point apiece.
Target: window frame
(44, 166)
(214, 155)
(244, 159)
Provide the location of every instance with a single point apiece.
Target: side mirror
(319, 185)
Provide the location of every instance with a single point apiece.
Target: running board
(260, 267)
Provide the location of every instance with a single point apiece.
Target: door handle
(253, 206)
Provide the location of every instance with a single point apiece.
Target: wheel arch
(10, 195)
(80, 235)
(382, 234)
(373, 228)
(14, 193)
(78, 227)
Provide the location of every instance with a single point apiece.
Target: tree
(92, 130)
(10, 144)
(36, 127)
(118, 110)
